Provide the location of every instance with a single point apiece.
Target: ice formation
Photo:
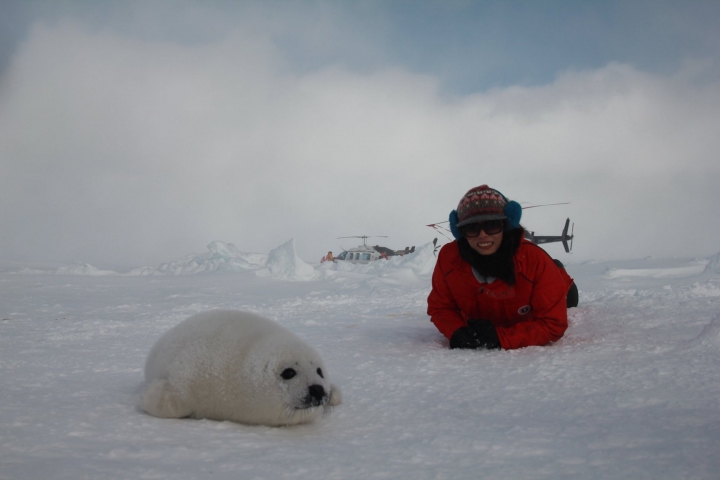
(220, 257)
(713, 265)
(283, 263)
(83, 269)
(710, 336)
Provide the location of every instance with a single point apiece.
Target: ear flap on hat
(453, 225)
(513, 211)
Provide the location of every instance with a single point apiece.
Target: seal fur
(238, 366)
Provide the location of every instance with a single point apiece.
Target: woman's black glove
(478, 334)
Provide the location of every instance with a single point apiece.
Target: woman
(492, 288)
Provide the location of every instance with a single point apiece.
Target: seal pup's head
(301, 376)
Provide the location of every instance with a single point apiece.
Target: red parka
(531, 312)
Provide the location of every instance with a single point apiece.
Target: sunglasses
(491, 227)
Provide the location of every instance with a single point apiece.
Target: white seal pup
(238, 366)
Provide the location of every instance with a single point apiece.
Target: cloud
(122, 150)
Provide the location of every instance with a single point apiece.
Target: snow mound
(83, 269)
(676, 272)
(713, 265)
(710, 336)
(705, 289)
(141, 272)
(421, 261)
(283, 263)
(221, 257)
(398, 276)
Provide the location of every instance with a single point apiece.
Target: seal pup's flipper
(161, 400)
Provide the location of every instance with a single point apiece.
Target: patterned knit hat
(480, 204)
(484, 203)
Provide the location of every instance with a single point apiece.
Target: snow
(631, 391)
(713, 264)
(674, 272)
(82, 269)
(220, 257)
(283, 263)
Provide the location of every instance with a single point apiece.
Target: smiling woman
(491, 287)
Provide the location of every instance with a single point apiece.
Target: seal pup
(238, 366)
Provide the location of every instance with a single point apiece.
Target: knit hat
(480, 204)
(483, 203)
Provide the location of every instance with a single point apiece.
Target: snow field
(631, 391)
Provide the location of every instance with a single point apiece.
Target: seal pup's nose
(316, 393)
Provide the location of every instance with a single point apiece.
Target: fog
(123, 148)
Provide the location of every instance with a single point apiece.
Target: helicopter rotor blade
(546, 205)
(367, 236)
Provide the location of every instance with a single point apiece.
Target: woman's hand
(478, 334)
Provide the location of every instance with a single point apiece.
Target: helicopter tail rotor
(565, 237)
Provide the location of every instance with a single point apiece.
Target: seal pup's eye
(319, 372)
(288, 373)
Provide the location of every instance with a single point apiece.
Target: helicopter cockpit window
(365, 256)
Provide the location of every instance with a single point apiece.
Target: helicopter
(366, 254)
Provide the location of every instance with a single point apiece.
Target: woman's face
(486, 244)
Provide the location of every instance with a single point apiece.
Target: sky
(135, 133)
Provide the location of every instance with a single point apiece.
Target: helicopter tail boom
(564, 238)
